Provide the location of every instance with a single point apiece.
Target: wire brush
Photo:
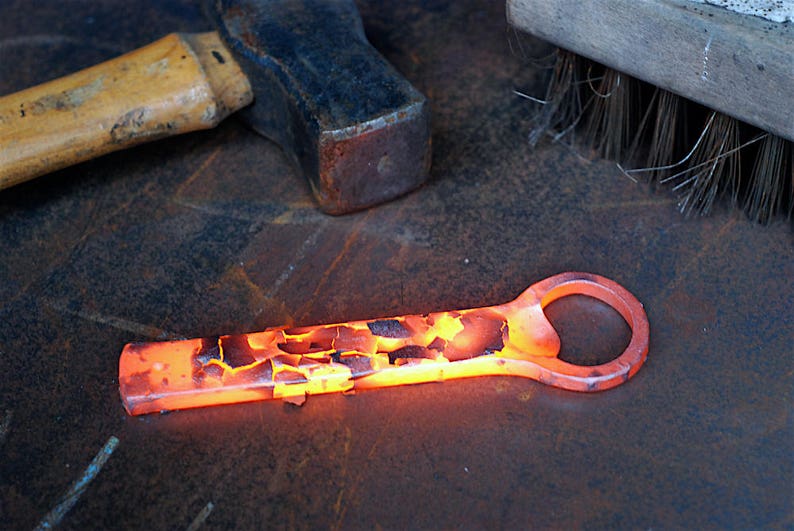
(627, 78)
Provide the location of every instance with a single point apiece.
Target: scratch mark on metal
(220, 210)
(198, 521)
(204, 165)
(4, 426)
(402, 235)
(300, 214)
(340, 507)
(92, 226)
(607, 205)
(35, 40)
(139, 329)
(299, 256)
(331, 268)
(44, 39)
(54, 517)
(668, 289)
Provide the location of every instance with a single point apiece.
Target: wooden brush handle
(740, 65)
(181, 83)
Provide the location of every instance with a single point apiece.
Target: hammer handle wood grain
(181, 83)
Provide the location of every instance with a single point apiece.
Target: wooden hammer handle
(181, 83)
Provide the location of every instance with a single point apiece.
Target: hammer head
(358, 129)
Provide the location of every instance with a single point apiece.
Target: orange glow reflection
(289, 363)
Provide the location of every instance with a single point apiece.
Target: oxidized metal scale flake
(514, 338)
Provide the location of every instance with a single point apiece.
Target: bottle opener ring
(514, 339)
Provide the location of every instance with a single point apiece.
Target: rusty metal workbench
(215, 233)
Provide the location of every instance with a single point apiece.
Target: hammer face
(359, 131)
(367, 164)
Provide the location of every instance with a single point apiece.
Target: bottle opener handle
(514, 339)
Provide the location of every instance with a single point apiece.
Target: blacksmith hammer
(356, 128)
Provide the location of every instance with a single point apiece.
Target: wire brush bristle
(651, 129)
(562, 107)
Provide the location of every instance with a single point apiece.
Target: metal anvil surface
(167, 241)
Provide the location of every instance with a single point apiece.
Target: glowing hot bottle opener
(513, 339)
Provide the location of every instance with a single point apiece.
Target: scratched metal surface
(215, 233)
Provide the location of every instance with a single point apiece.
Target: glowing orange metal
(514, 338)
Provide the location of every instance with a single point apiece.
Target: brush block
(740, 65)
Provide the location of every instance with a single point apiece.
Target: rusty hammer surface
(356, 127)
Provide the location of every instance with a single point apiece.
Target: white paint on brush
(774, 10)
(704, 74)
